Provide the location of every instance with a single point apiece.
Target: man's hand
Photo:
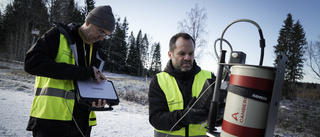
(98, 75)
(195, 116)
(100, 103)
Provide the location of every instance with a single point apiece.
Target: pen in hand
(98, 75)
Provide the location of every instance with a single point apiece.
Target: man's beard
(185, 68)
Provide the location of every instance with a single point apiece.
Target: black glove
(195, 115)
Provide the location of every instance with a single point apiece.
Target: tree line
(134, 55)
(292, 42)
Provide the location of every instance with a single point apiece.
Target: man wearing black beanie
(55, 111)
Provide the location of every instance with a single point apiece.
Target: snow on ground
(14, 110)
(16, 95)
(127, 119)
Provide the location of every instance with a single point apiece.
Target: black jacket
(40, 61)
(159, 115)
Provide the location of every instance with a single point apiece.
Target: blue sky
(159, 20)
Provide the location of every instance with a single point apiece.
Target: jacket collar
(179, 74)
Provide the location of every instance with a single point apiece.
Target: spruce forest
(22, 22)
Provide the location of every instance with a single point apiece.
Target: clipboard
(90, 90)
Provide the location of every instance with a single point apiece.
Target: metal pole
(212, 117)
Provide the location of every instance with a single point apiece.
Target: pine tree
(89, 6)
(291, 42)
(137, 60)
(107, 50)
(132, 62)
(298, 48)
(155, 66)
(75, 14)
(138, 53)
(59, 11)
(284, 38)
(144, 54)
(116, 48)
(63, 11)
(2, 33)
(20, 18)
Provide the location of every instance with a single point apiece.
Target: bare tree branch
(313, 57)
(195, 25)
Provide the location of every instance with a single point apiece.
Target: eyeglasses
(102, 33)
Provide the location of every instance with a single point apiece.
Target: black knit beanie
(102, 17)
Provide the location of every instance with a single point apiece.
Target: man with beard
(173, 91)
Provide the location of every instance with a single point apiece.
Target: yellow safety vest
(174, 98)
(52, 95)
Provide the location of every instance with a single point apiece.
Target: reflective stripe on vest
(52, 95)
(174, 98)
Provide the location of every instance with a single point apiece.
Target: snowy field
(129, 118)
(16, 95)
